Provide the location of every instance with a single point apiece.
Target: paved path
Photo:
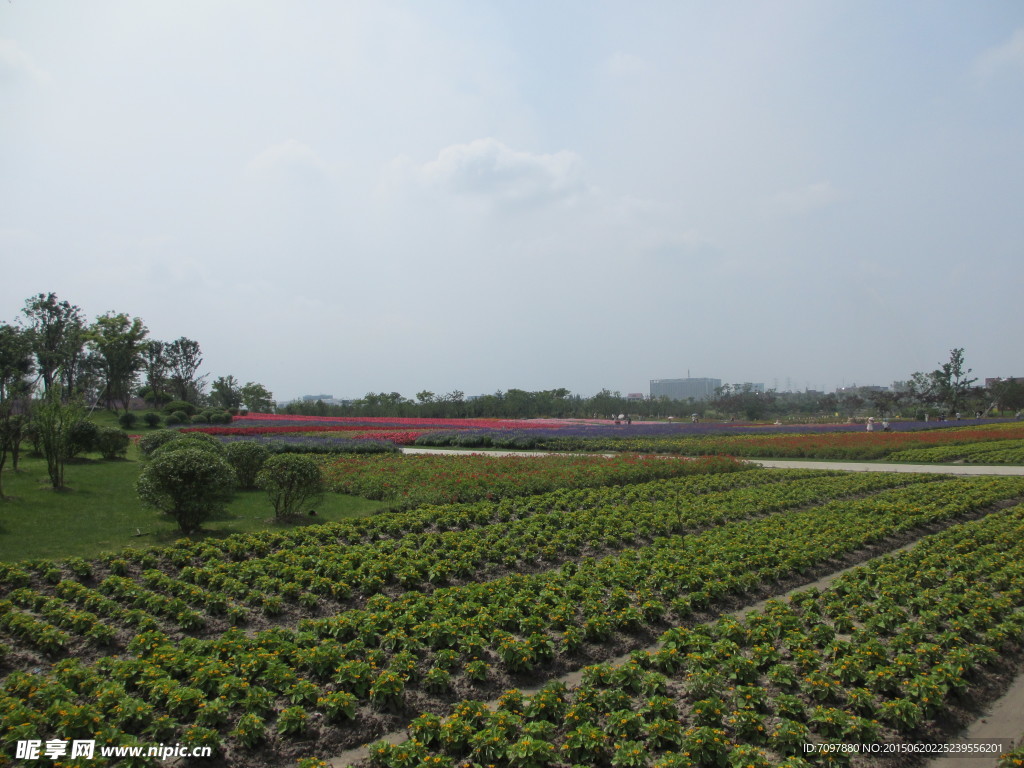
(850, 466)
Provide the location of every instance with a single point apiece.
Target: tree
(952, 382)
(55, 422)
(156, 367)
(183, 360)
(257, 398)
(119, 341)
(292, 482)
(189, 484)
(15, 368)
(1008, 394)
(226, 392)
(886, 402)
(58, 340)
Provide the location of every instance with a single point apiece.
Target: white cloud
(489, 169)
(1008, 56)
(14, 62)
(801, 200)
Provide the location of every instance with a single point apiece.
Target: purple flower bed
(328, 443)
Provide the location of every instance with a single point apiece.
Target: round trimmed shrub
(148, 444)
(152, 419)
(172, 420)
(128, 419)
(180, 405)
(188, 484)
(112, 442)
(83, 437)
(292, 482)
(247, 458)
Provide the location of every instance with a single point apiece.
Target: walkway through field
(851, 466)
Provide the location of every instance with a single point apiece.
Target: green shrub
(181, 416)
(152, 419)
(291, 482)
(200, 418)
(189, 484)
(198, 440)
(112, 442)
(82, 438)
(128, 419)
(149, 443)
(172, 420)
(180, 405)
(247, 459)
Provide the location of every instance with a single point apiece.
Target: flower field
(989, 452)
(830, 441)
(833, 443)
(409, 481)
(279, 646)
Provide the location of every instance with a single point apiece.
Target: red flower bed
(396, 421)
(289, 429)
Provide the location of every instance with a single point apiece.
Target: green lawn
(99, 512)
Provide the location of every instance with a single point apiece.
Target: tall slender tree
(156, 368)
(183, 360)
(952, 380)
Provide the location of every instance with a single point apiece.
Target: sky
(351, 197)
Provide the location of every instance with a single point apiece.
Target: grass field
(99, 512)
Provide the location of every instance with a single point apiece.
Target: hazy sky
(345, 197)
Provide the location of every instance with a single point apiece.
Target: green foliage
(148, 444)
(152, 419)
(257, 398)
(112, 442)
(56, 423)
(57, 331)
(83, 436)
(226, 392)
(247, 459)
(128, 419)
(118, 341)
(198, 440)
(180, 405)
(291, 482)
(188, 483)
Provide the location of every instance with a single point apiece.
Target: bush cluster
(192, 475)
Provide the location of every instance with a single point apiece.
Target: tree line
(944, 392)
(110, 361)
(55, 366)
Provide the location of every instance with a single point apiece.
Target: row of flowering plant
(409, 481)
(685, 705)
(639, 565)
(833, 443)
